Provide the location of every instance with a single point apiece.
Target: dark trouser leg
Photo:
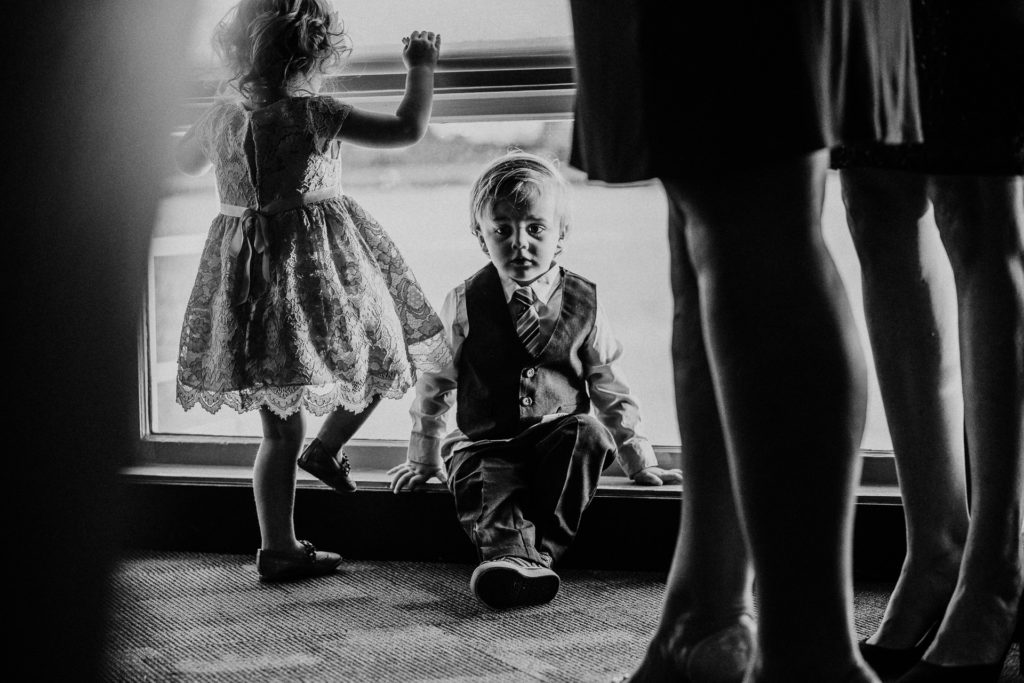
(568, 461)
(490, 491)
(546, 476)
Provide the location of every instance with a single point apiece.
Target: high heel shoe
(723, 656)
(720, 657)
(331, 470)
(860, 675)
(925, 672)
(890, 662)
(1018, 636)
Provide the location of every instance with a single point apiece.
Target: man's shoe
(275, 565)
(331, 470)
(513, 582)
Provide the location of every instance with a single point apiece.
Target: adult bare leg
(981, 220)
(709, 583)
(910, 308)
(789, 376)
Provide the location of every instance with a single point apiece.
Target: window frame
(537, 81)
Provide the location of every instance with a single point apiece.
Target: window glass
(420, 195)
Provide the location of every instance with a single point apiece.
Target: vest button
(529, 372)
(527, 401)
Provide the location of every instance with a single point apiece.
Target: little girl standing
(301, 300)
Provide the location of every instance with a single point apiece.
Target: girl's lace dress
(327, 313)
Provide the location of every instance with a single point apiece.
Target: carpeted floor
(204, 617)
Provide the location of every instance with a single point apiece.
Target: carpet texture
(204, 617)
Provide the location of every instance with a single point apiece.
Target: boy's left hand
(410, 476)
(656, 476)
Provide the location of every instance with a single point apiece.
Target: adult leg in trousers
(490, 489)
(790, 379)
(566, 467)
(910, 308)
(981, 221)
(709, 583)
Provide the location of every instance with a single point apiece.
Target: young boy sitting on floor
(533, 352)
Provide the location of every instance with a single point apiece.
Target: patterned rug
(204, 617)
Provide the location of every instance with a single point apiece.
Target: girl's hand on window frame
(421, 48)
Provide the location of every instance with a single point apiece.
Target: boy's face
(522, 238)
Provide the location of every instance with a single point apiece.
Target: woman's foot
(926, 672)
(722, 656)
(891, 663)
(912, 616)
(302, 563)
(923, 672)
(333, 470)
(978, 629)
(917, 604)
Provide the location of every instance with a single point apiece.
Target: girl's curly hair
(268, 42)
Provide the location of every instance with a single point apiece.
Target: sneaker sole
(501, 587)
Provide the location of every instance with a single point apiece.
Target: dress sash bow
(251, 238)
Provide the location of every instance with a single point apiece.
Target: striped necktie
(528, 322)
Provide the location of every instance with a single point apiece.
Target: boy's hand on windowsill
(656, 476)
(411, 476)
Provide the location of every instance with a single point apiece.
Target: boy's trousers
(526, 496)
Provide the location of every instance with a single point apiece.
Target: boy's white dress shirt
(609, 393)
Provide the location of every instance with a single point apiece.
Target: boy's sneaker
(513, 582)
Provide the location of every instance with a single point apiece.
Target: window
(504, 81)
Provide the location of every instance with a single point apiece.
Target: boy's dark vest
(502, 388)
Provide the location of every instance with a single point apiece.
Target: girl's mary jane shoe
(276, 565)
(331, 470)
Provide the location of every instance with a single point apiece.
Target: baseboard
(627, 527)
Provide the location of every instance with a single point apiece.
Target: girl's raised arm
(409, 122)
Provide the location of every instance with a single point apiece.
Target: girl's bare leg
(910, 307)
(341, 425)
(789, 376)
(709, 583)
(273, 479)
(981, 220)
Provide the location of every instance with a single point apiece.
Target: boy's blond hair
(514, 177)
